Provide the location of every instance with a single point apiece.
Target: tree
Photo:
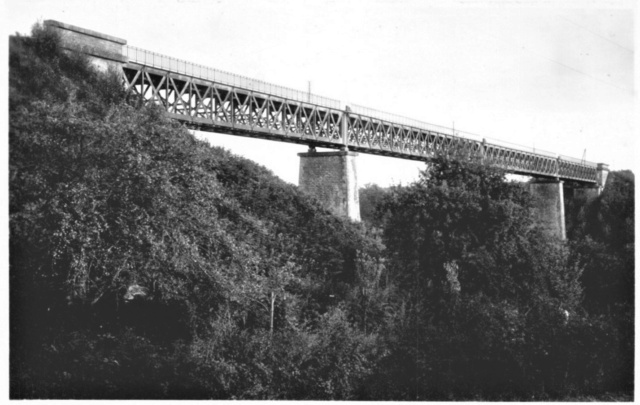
(478, 280)
(371, 198)
(604, 241)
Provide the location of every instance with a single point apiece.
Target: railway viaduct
(212, 100)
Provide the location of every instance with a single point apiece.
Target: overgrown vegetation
(494, 308)
(146, 264)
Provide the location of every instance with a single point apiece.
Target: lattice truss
(527, 163)
(373, 135)
(577, 171)
(215, 107)
(384, 137)
(521, 162)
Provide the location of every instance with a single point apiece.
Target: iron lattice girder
(221, 108)
(216, 107)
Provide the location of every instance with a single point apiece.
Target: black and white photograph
(356, 200)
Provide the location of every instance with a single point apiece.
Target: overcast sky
(557, 75)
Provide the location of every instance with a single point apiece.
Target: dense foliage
(603, 239)
(146, 264)
(140, 256)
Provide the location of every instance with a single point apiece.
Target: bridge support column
(602, 174)
(331, 177)
(549, 206)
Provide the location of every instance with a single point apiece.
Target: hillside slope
(129, 237)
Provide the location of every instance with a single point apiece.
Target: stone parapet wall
(104, 50)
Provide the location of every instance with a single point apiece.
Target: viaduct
(208, 99)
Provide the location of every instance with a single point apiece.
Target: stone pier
(331, 178)
(549, 206)
(603, 173)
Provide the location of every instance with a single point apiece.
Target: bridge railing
(519, 147)
(399, 119)
(579, 161)
(164, 62)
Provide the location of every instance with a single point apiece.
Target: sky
(554, 75)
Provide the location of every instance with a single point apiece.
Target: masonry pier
(549, 206)
(331, 177)
(549, 199)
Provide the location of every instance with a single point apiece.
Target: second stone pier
(331, 178)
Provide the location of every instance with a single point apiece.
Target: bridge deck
(211, 100)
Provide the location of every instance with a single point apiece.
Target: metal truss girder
(209, 105)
